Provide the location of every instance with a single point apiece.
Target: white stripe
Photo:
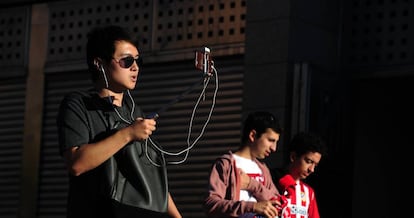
(297, 208)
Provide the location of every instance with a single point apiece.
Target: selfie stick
(155, 115)
(207, 65)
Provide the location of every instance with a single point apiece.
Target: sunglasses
(128, 61)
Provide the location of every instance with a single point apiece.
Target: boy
(305, 153)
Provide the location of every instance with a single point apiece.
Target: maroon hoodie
(224, 189)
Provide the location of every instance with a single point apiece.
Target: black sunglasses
(127, 62)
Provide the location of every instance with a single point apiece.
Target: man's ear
(98, 63)
(252, 135)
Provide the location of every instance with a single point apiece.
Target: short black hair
(260, 121)
(304, 142)
(101, 44)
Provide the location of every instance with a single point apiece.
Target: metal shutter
(12, 94)
(13, 58)
(52, 174)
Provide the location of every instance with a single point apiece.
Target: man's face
(265, 144)
(122, 77)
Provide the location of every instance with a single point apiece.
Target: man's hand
(141, 128)
(267, 208)
(244, 179)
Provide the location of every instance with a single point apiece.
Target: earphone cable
(189, 144)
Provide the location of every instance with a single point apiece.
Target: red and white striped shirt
(302, 204)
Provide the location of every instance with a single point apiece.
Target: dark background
(343, 69)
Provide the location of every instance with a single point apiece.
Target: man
(240, 185)
(114, 171)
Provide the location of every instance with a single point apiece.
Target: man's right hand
(267, 208)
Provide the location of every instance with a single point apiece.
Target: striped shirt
(302, 204)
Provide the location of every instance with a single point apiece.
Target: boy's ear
(292, 156)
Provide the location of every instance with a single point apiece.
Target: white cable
(109, 97)
(104, 75)
(131, 113)
(189, 145)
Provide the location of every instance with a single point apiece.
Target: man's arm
(172, 208)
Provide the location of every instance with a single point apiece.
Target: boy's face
(263, 146)
(304, 165)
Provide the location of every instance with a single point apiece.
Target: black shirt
(128, 184)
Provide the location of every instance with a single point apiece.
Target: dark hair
(260, 121)
(101, 44)
(304, 142)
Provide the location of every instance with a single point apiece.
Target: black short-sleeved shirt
(126, 185)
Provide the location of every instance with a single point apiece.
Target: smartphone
(153, 115)
(203, 60)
